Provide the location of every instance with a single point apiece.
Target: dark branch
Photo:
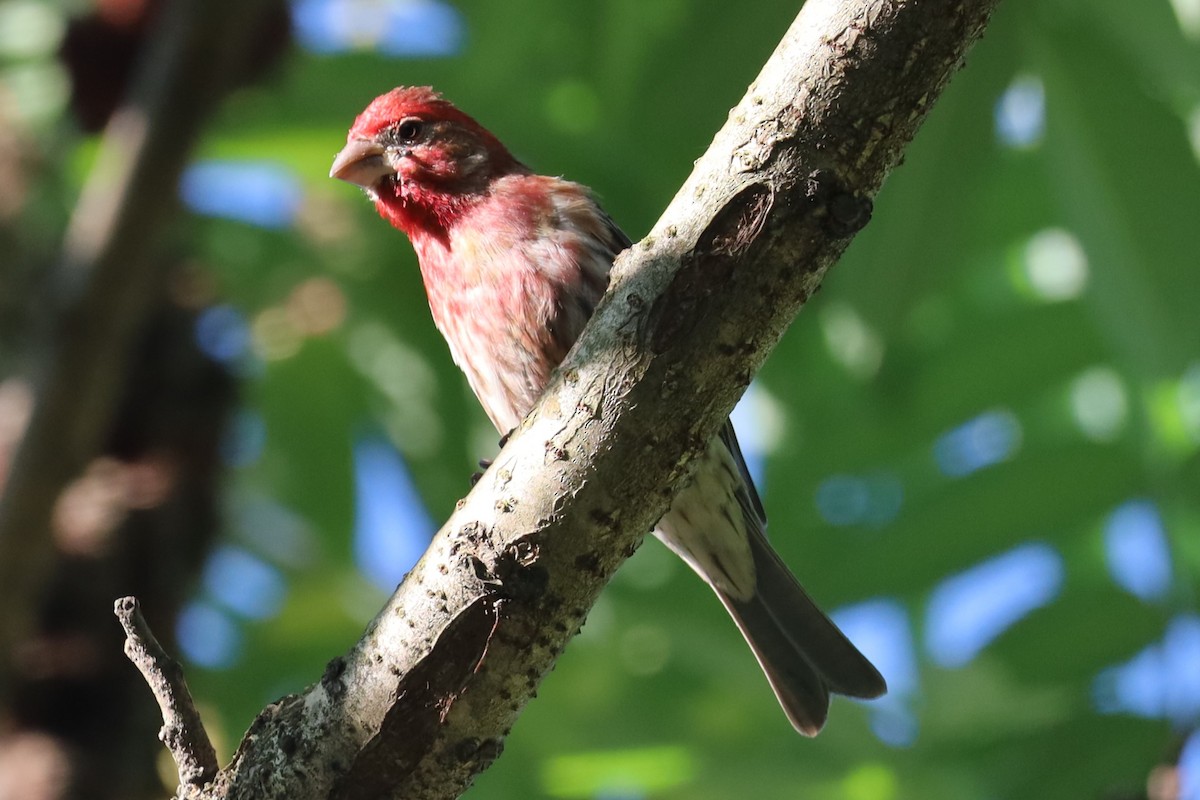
(182, 731)
(108, 274)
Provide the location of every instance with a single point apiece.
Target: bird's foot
(484, 463)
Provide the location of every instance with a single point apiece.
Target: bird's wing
(747, 495)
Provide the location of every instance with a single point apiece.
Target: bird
(513, 264)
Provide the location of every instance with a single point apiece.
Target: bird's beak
(362, 162)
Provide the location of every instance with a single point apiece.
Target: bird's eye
(408, 130)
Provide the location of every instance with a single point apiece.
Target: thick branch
(105, 281)
(182, 731)
(424, 701)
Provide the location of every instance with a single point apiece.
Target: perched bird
(514, 263)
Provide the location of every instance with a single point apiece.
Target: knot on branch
(386, 765)
(709, 267)
(514, 574)
(843, 211)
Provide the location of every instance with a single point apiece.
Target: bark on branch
(423, 702)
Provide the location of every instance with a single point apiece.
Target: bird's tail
(803, 654)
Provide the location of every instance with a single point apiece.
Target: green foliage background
(658, 697)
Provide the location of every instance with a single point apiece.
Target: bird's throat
(420, 211)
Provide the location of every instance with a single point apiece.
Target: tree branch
(422, 704)
(106, 279)
(182, 731)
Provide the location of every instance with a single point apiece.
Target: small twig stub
(182, 731)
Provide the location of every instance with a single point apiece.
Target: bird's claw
(484, 463)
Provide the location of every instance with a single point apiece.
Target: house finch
(514, 263)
